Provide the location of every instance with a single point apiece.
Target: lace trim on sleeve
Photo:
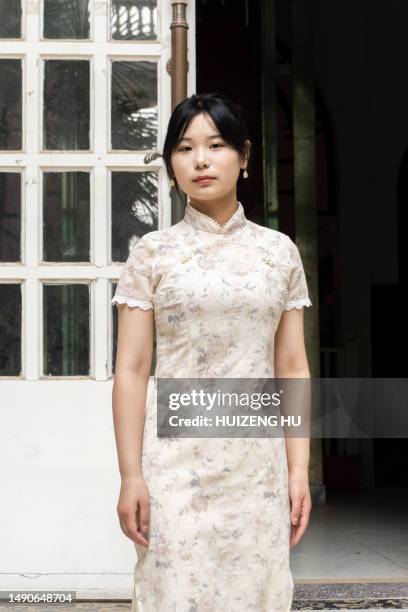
(132, 303)
(298, 303)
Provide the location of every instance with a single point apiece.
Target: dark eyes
(215, 144)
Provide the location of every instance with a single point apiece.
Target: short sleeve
(134, 286)
(298, 294)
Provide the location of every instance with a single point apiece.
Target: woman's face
(202, 151)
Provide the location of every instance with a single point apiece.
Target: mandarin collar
(204, 222)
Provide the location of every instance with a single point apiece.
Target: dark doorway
(230, 60)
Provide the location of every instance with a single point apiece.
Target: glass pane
(66, 104)
(10, 216)
(10, 104)
(66, 18)
(10, 329)
(134, 209)
(10, 22)
(66, 216)
(134, 19)
(66, 330)
(134, 105)
(115, 317)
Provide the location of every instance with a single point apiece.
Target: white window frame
(32, 162)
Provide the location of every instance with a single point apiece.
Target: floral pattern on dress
(220, 510)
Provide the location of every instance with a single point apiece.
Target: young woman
(212, 519)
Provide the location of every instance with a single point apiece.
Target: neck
(220, 209)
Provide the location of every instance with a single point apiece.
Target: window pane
(66, 18)
(134, 19)
(115, 336)
(66, 104)
(10, 216)
(134, 105)
(66, 330)
(134, 209)
(10, 22)
(10, 329)
(10, 104)
(66, 216)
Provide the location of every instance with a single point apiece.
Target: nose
(200, 159)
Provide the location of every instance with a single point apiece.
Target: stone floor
(356, 537)
(355, 550)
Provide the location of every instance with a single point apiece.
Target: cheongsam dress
(219, 507)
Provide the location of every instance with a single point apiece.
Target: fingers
(295, 511)
(129, 528)
(300, 521)
(144, 516)
(129, 523)
(298, 530)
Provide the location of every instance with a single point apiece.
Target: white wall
(60, 486)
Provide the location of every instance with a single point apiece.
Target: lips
(204, 178)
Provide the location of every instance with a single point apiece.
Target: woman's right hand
(134, 499)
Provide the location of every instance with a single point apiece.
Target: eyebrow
(212, 136)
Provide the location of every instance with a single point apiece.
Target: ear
(248, 147)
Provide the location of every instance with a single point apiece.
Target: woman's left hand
(301, 503)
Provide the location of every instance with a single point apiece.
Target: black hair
(226, 115)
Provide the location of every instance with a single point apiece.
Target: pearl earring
(245, 174)
(172, 183)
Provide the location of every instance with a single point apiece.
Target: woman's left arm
(291, 362)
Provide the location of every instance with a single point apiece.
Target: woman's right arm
(132, 370)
